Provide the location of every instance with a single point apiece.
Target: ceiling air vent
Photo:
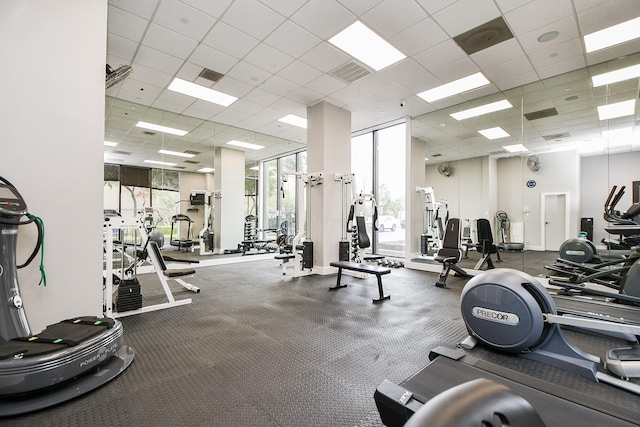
(179, 167)
(126, 153)
(486, 35)
(146, 132)
(192, 162)
(541, 114)
(436, 155)
(556, 136)
(495, 153)
(350, 72)
(195, 153)
(210, 75)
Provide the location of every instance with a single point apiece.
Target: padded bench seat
(362, 268)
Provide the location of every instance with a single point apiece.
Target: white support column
(328, 150)
(229, 180)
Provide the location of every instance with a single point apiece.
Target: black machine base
(556, 405)
(17, 405)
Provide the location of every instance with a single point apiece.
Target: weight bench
(363, 268)
(284, 260)
(175, 274)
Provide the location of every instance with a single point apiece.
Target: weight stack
(129, 296)
(307, 254)
(343, 250)
(424, 244)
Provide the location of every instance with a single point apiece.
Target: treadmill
(556, 405)
(63, 361)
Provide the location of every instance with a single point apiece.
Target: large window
(378, 163)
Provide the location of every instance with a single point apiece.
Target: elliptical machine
(63, 361)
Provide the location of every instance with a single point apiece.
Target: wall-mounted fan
(444, 170)
(533, 163)
(117, 75)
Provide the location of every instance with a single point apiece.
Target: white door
(555, 212)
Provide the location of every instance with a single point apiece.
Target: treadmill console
(11, 203)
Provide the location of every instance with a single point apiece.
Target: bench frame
(363, 268)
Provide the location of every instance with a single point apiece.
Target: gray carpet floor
(256, 348)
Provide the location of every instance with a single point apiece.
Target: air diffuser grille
(350, 72)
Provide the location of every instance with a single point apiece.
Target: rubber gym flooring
(256, 348)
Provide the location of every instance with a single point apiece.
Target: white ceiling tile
(536, 14)
(299, 72)
(463, 67)
(121, 47)
(440, 55)
(262, 97)
(214, 8)
(213, 59)
(323, 18)
(141, 8)
(161, 38)
(125, 24)
(567, 29)
(285, 8)
(418, 37)
(230, 40)
(359, 7)
(249, 73)
(292, 39)
(504, 70)
(562, 67)
(277, 84)
(253, 18)
(149, 75)
(501, 53)
(233, 86)
(392, 16)
(433, 6)
(183, 19)
(475, 12)
(607, 14)
(325, 57)
(508, 5)
(516, 80)
(326, 84)
(268, 58)
(558, 53)
(613, 52)
(158, 60)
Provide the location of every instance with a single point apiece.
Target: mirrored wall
(539, 168)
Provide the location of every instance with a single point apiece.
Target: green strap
(43, 275)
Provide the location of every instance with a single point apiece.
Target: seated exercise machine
(509, 311)
(485, 245)
(301, 246)
(451, 253)
(431, 238)
(123, 279)
(65, 360)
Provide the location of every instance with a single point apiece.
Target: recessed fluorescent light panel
(156, 162)
(294, 120)
(163, 129)
(620, 75)
(517, 148)
(255, 168)
(110, 144)
(191, 89)
(176, 153)
(245, 145)
(619, 109)
(494, 133)
(206, 170)
(613, 35)
(455, 87)
(363, 44)
(483, 109)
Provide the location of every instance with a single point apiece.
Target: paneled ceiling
(274, 56)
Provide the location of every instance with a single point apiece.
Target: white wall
(52, 121)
